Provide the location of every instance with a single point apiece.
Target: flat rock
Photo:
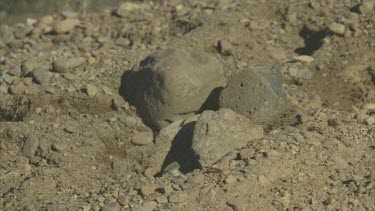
(218, 133)
(257, 94)
(172, 84)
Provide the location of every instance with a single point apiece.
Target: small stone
(111, 207)
(17, 88)
(30, 146)
(370, 121)
(65, 26)
(129, 121)
(91, 90)
(69, 14)
(143, 138)
(224, 47)
(70, 129)
(273, 154)
(162, 199)
(300, 72)
(59, 147)
(107, 90)
(304, 58)
(178, 197)
(41, 76)
(6, 78)
(230, 179)
(15, 71)
(123, 42)
(27, 81)
(173, 169)
(247, 153)
(146, 206)
(127, 7)
(337, 28)
(148, 190)
(63, 65)
(123, 200)
(367, 7)
(197, 179)
(262, 180)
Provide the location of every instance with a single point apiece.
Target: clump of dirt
(84, 153)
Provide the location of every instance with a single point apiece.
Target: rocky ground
(72, 138)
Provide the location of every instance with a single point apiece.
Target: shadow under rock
(181, 151)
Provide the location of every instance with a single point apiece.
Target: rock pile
(173, 84)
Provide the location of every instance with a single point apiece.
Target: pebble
(178, 197)
(143, 138)
(162, 199)
(148, 190)
(111, 207)
(129, 121)
(6, 78)
(41, 76)
(247, 153)
(367, 6)
(17, 88)
(15, 71)
(59, 147)
(63, 65)
(262, 180)
(65, 26)
(224, 47)
(30, 146)
(230, 179)
(197, 179)
(146, 206)
(91, 90)
(123, 42)
(173, 169)
(123, 200)
(304, 58)
(337, 28)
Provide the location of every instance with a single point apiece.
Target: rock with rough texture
(172, 84)
(30, 146)
(65, 26)
(218, 133)
(257, 94)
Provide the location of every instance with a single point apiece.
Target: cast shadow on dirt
(181, 151)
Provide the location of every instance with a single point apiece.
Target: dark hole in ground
(313, 40)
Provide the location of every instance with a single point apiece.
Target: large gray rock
(257, 94)
(218, 133)
(172, 84)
